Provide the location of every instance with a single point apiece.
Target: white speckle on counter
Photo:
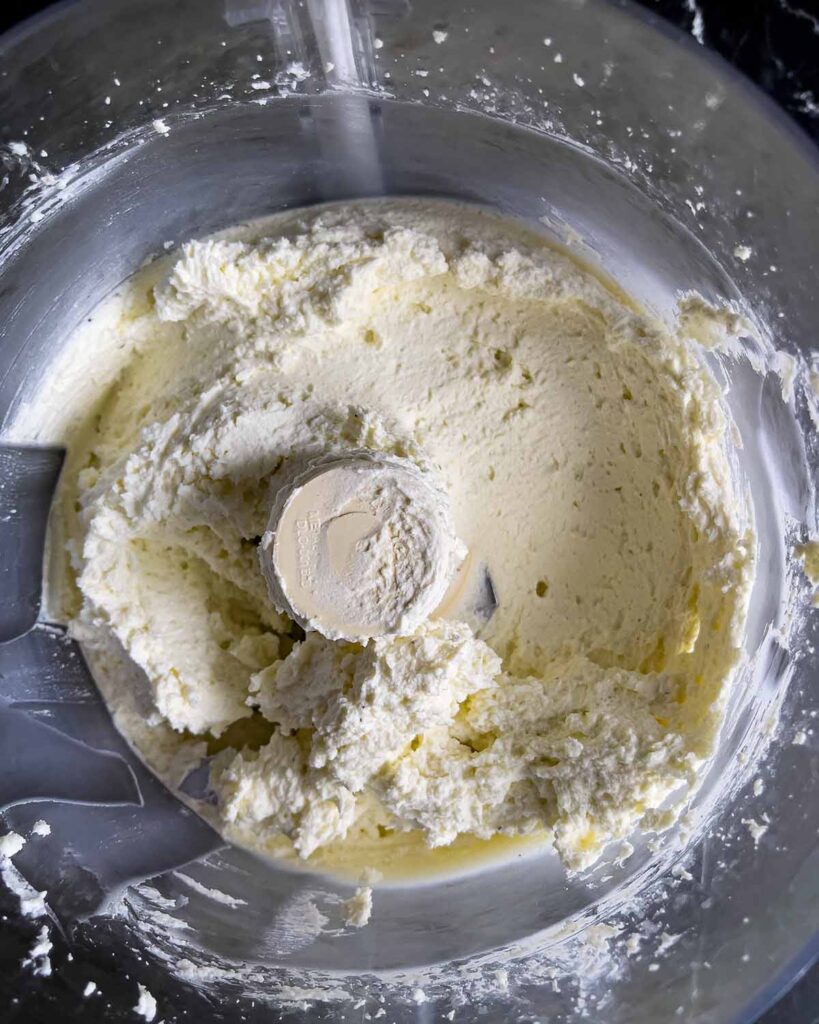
(419, 996)
(378, 43)
(800, 738)
(89, 989)
(146, 1004)
(41, 828)
(578, 80)
(808, 102)
(38, 959)
(32, 902)
(439, 36)
(698, 23)
(743, 253)
(759, 786)
(160, 127)
(11, 844)
(18, 148)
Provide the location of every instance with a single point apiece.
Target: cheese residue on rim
(583, 450)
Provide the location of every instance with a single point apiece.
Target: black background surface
(775, 43)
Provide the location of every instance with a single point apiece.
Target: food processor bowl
(134, 125)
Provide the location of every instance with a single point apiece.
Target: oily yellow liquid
(405, 857)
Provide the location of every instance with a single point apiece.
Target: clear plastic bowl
(138, 123)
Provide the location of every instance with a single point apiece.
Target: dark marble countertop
(776, 44)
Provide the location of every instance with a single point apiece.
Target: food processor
(130, 127)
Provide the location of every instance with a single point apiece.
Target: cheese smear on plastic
(583, 451)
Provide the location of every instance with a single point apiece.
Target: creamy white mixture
(584, 453)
